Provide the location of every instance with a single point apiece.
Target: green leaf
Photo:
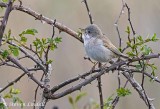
(2, 106)
(120, 49)
(70, 100)
(5, 1)
(44, 40)
(18, 100)
(153, 67)
(14, 91)
(49, 62)
(108, 102)
(4, 54)
(129, 44)
(154, 37)
(58, 40)
(128, 30)
(122, 92)
(131, 54)
(29, 31)
(23, 39)
(15, 52)
(138, 66)
(78, 97)
(146, 50)
(140, 38)
(8, 95)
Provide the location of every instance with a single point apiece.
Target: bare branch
(129, 19)
(51, 94)
(26, 71)
(100, 92)
(88, 10)
(116, 24)
(100, 88)
(5, 19)
(12, 83)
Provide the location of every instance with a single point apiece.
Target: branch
(116, 24)
(26, 71)
(89, 13)
(29, 56)
(100, 88)
(100, 92)
(40, 17)
(11, 83)
(51, 94)
(139, 89)
(5, 19)
(129, 19)
(2, 100)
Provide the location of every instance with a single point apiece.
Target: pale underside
(96, 50)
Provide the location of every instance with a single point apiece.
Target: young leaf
(78, 97)
(29, 31)
(154, 37)
(15, 91)
(122, 92)
(140, 38)
(49, 62)
(146, 50)
(70, 100)
(8, 95)
(14, 50)
(128, 30)
(4, 54)
(58, 40)
(108, 102)
(131, 54)
(2, 106)
(23, 39)
(5, 1)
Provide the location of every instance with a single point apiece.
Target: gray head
(93, 31)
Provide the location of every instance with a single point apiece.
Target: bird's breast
(97, 51)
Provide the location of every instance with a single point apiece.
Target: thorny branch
(88, 10)
(52, 93)
(12, 83)
(5, 19)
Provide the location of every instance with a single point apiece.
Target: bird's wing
(110, 46)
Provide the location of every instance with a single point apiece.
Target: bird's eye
(89, 31)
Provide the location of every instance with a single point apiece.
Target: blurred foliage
(41, 45)
(139, 48)
(122, 92)
(13, 95)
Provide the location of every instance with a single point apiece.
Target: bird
(97, 45)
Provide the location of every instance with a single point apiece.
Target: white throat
(86, 38)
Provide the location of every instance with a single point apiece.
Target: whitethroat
(97, 46)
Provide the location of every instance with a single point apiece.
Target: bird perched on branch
(97, 46)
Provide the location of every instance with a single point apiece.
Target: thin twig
(129, 19)
(12, 83)
(26, 71)
(116, 24)
(88, 10)
(100, 88)
(5, 19)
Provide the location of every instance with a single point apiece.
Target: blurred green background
(68, 59)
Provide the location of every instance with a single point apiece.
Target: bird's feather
(107, 43)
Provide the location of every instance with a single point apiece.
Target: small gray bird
(98, 46)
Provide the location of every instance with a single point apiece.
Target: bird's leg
(93, 68)
(86, 57)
